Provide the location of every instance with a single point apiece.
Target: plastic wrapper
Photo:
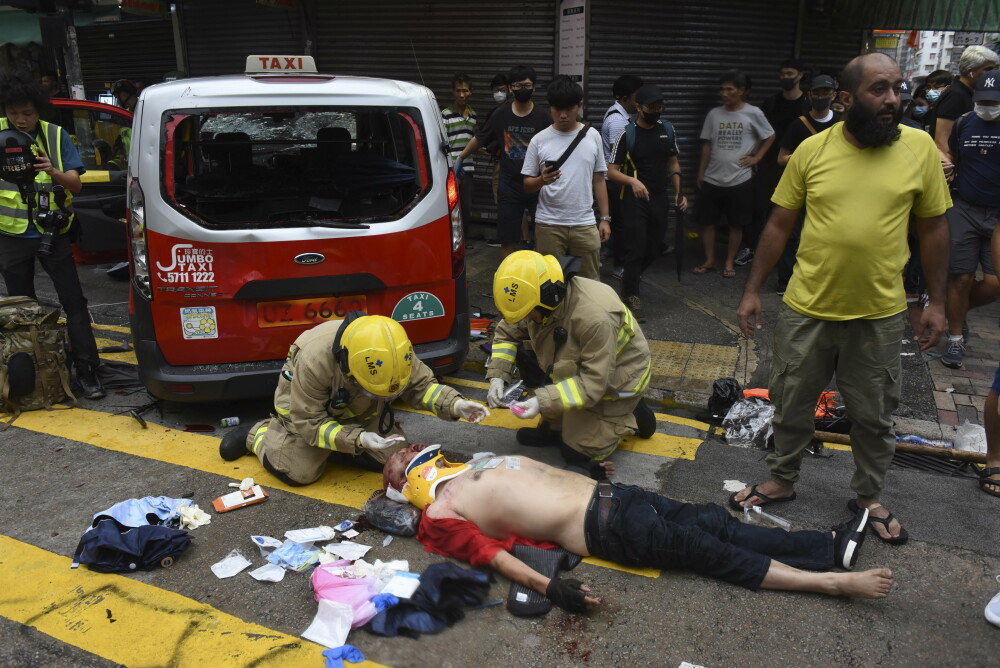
(512, 393)
(390, 516)
(748, 423)
(970, 437)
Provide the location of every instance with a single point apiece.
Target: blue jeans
(646, 529)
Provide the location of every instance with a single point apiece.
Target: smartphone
(549, 164)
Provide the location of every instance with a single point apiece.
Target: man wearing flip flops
(845, 308)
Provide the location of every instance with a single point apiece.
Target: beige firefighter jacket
(308, 401)
(603, 364)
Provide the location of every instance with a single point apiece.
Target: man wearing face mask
(819, 118)
(957, 98)
(335, 394)
(845, 309)
(511, 127)
(643, 167)
(975, 145)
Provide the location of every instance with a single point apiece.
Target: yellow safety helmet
(376, 352)
(526, 280)
(423, 475)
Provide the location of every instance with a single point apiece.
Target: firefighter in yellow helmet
(574, 341)
(335, 393)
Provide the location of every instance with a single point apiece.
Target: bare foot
(875, 583)
(769, 488)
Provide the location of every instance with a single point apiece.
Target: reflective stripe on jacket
(13, 211)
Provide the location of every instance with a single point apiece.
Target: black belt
(595, 535)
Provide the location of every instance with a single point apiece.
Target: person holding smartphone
(57, 163)
(565, 165)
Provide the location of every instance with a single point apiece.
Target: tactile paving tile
(696, 365)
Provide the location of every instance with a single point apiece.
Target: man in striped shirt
(460, 124)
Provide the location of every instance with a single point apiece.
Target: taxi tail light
(138, 249)
(457, 235)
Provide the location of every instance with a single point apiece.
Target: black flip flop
(986, 482)
(903, 536)
(735, 505)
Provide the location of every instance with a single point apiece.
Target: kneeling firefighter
(578, 346)
(335, 393)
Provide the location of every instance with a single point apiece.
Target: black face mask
(651, 117)
(523, 94)
(788, 84)
(820, 103)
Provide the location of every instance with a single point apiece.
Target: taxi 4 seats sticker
(199, 322)
(417, 306)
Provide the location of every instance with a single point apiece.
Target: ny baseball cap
(906, 91)
(648, 93)
(988, 87)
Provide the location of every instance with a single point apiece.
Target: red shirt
(463, 540)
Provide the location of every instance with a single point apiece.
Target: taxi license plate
(307, 311)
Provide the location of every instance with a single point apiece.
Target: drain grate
(913, 462)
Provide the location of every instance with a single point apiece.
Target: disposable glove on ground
(495, 396)
(525, 409)
(471, 410)
(372, 441)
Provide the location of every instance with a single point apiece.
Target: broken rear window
(283, 167)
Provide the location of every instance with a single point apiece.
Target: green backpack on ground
(33, 371)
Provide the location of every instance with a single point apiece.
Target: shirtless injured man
(479, 511)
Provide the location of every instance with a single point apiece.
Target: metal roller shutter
(428, 42)
(683, 46)
(112, 50)
(219, 35)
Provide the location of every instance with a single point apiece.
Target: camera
(51, 222)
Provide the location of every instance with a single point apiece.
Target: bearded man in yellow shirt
(844, 310)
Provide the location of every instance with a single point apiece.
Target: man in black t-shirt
(645, 170)
(819, 118)
(780, 110)
(511, 127)
(957, 98)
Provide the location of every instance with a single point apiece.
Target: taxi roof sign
(280, 64)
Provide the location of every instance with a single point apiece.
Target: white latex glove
(471, 410)
(525, 409)
(372, 441)
(495, 396)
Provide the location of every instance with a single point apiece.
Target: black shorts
(733, 202)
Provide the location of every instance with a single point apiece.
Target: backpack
(33, 371)
(629, 135)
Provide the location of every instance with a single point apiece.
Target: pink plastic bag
(355, 592)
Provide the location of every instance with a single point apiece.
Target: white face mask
(988, 112)
(499, 96)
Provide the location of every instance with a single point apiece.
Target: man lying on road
(478, 511)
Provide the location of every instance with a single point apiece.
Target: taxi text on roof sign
(259, 64)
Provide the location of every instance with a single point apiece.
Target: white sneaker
(993, 608)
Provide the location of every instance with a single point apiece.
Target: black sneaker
(782, 287)
(493, 243)
(847, 542)
(234, 444)
(953, 354)
(541, 436)
(90, 384)
(745, 256)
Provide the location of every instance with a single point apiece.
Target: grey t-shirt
(569, 200)
(733, 134)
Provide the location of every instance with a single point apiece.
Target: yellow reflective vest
(13, 211)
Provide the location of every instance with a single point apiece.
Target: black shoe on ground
(493, 243)
(541, 436)
(847, 542)
(645, 418)
(90, 384)
(782, 286)
(234, 444)
(745, 256)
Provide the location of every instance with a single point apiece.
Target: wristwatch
(605, 219)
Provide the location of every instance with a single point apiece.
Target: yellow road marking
(603, 563)
(451, 380)
(127, 358)
(112, 328)
(134, 623)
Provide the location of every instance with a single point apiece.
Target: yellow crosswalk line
(604, 563)
(134, 623)
(126, 357)
(112, 328)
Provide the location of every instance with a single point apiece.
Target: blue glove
(459, 170)
(335, 657)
